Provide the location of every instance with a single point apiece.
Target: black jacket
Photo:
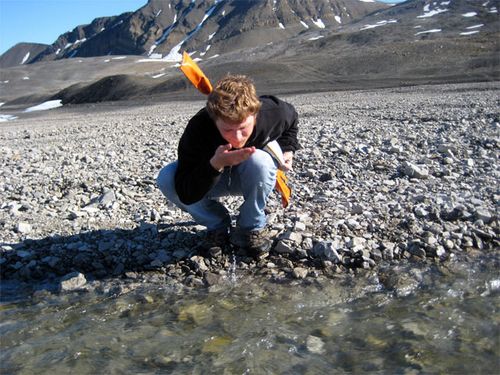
(195, 176)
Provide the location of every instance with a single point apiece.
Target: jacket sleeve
(288, 139)
(195, 175)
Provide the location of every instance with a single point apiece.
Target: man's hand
(224, 157)
(288, 158)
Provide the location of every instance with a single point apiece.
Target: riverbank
(385, 177)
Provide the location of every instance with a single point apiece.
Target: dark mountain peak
(21, 53)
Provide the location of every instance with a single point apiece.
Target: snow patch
(319, 23)
(429, 31)
(80, 41)
(211, 36)
(25, 58)
(379, 23)
(316, 37)
(338, 19)
(158, 75)
(304, 24)
(281, 26)
(151, 59)
(45, 106)
(5, 118)
(469, 32)
(26, 78)
(469, 14)
(119, 58)
(206, 50)
(475, 26)
(430, 13)
(174, 55)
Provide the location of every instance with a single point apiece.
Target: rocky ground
(385, 177)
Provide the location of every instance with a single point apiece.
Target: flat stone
(300, 273)
(415, 171)
(484, 215)
(23, 228)
(284, 247)
(72, 281)
(315, 344)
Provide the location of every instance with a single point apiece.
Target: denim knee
(260, 164)
(166, 181)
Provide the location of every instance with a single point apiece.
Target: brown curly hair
(233, 99)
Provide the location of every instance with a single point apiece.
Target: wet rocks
(379, 181)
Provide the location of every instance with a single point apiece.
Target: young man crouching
(221, 154)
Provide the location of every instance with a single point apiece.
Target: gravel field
(384, 177)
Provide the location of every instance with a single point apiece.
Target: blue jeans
(254, 179)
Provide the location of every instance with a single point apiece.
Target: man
(221, 154)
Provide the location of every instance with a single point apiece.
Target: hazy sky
(42, 21)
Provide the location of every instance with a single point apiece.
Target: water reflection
(449, 325)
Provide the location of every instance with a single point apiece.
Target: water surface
(449, 324)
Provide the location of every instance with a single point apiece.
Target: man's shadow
(99, 254)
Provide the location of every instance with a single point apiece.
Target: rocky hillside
(416, 42)
(210, 27)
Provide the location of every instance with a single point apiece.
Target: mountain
(284, 46)
(22, 53)
(209, 27)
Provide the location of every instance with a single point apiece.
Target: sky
(42, 21)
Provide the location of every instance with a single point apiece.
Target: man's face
(236, 133)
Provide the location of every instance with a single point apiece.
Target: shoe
(218, 238)
(254, 241)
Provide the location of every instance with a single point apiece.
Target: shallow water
(448, 325)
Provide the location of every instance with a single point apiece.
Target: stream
(448, 324)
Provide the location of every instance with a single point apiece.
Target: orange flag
(193, 72)
(199, 80)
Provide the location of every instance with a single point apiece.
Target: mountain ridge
(160, 26)
(415, 42)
